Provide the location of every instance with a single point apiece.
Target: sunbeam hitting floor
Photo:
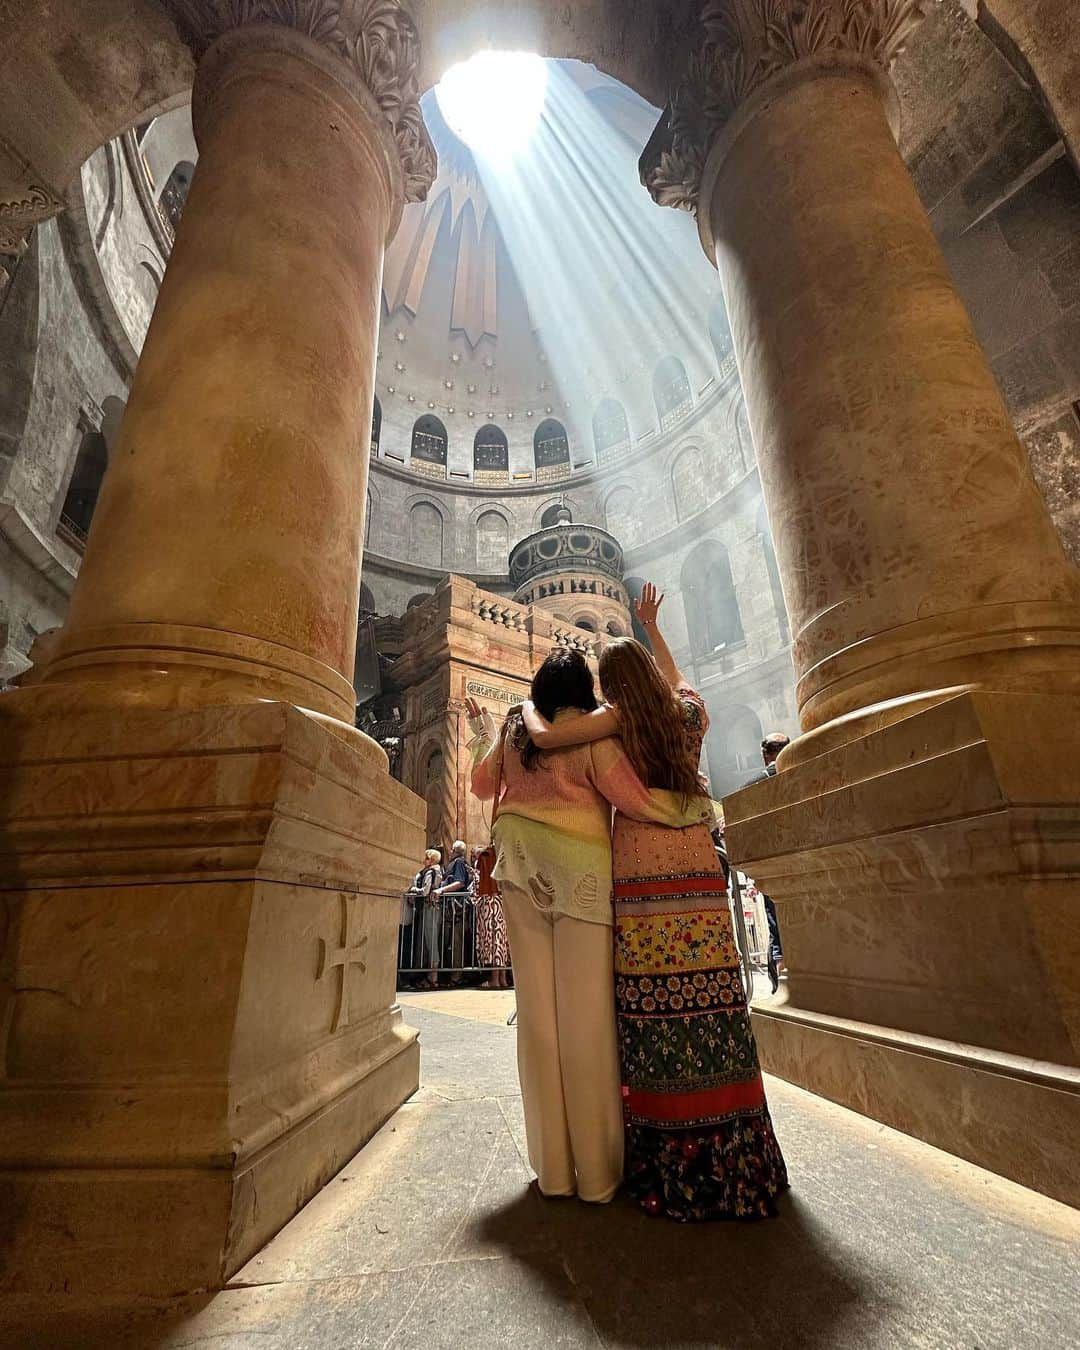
(432, 1236)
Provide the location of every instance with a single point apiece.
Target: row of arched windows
(551, 445)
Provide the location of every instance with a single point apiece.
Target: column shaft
(916, 550)
(224, 558)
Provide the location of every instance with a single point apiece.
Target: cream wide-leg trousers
(568, 1055)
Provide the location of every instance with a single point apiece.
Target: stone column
(934, 615)
(201, 860)
(224, 559)
(916, 549)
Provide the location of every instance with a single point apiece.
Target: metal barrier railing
(451, 935)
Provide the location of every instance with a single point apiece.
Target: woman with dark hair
(700, 1143)
(552, 834)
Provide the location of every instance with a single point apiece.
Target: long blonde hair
(651, 724)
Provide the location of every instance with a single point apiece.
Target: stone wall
(1004, 199)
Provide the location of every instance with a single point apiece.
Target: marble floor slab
(433, 1237)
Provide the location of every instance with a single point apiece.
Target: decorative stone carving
(747, 43)
(347, 953)
(19, 214)
(377, 38)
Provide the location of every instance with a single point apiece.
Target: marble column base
(198, 984)
(1015, 1117)
(925, 882)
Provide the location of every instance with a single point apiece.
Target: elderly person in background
(457, 883)
(427, 907)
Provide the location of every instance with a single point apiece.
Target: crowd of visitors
(452, 926)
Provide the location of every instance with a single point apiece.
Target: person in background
(771, 746)
(492, 942)
(428, 907)
(457, 883)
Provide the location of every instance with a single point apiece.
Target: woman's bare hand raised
(648, 606)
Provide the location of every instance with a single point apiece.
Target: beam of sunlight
(493, 101)
(612, 281)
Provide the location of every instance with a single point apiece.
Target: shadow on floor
(652, 1283)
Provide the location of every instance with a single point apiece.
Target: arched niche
(611, 430)
(425, 535)
(492, 542)
(621, 515)
(712, 607)
(376, 425)
(733, 749)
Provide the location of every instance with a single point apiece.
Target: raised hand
(648, 606)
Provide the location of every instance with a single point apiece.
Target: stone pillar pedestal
(202, 858)
(919, 839)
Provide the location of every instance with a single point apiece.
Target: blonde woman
(552, 836)
(700, 1142)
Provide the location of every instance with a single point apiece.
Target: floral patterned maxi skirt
(699, 1141)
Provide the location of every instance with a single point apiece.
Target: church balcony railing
(71, 532)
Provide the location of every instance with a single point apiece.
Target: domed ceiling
(476, 330)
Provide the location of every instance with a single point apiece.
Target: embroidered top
(553, 830)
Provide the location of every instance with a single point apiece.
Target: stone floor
(432, 1237)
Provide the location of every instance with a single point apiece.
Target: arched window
(174, 193)
(688, 485)
(712, 608)
(492, 543)
(610, 429)
(621, 515)
(614, 629)
(425, 535)
(376, 425)
(367, 600)
(587, 625)
(671, 392)
(429, 444)
(491, 455)
(733, 747)
(551, 450)
(720, 337)
(91, 461)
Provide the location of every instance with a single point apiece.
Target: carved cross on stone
(343, 956)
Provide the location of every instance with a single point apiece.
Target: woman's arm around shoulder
(580, 729)
(615, 778)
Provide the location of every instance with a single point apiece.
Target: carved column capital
(20, 213)
(747, 45)
(377, 39)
